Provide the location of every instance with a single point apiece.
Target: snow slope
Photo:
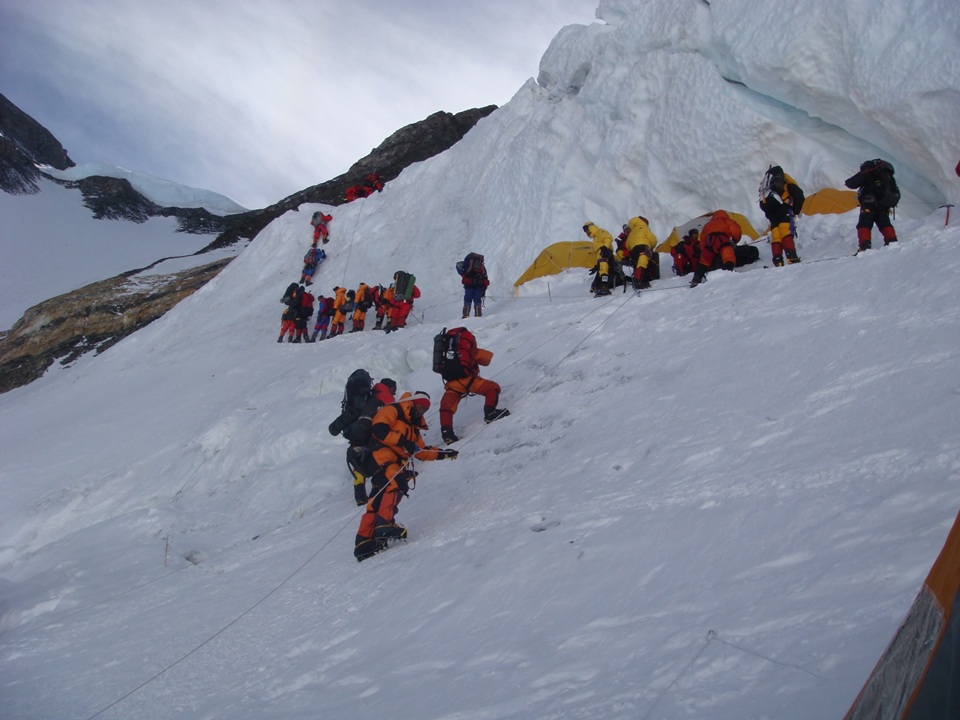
(715, 502)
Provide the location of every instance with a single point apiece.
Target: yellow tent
(558, 257)
(698, 222)
(828, 201)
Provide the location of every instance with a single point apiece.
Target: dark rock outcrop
(408, 145)
(25, 143)
(91, 319)
(33, 139)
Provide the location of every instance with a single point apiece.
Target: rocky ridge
(99, 315)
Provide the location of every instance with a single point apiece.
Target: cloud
(259, 99)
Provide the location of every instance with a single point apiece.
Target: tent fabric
(562, 255)
(918, 675)
(698, 222)
(830, 201)
(558, 257)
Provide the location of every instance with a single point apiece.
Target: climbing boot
(494, 414)
(390, 531)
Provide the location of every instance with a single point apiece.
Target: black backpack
(355, 396)
(453, 353)
(797, 197)
(290, 293)
(775, 180)
(880, 182)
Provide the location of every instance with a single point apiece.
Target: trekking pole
(947, 206)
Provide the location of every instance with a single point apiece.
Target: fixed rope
(353, 516)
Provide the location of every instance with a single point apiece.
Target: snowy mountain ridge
(157, 190)
(715, 502)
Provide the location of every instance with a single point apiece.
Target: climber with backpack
(304, 313)
(457, 359)
(311, 261)
(878, 194)
(686, 253)
(361, 400)
(640, 244)
(320, 230)
(362, 303)
(781, 200)
(324, 312)
(405, 291)
(339, 311)
(396, 442)
(475, 282)
(288, 321)
(383, 300)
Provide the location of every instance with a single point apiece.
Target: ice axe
(947, 206)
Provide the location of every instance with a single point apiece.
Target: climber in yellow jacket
(640, 243)
(599, 236)
(781, 200)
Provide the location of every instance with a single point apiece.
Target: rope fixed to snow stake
(710, 637)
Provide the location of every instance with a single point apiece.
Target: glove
(409, 446)
(447, 454)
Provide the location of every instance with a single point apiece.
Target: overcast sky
(257, 99)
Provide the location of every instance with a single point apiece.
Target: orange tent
(918, 675)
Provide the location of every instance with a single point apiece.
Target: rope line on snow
(353, 237)
(226, 627)
(711, 636)
(549, 340)
(767, 658)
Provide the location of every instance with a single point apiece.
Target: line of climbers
(315, 256)
(385, 434)
(392, 305)
(714, 246)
